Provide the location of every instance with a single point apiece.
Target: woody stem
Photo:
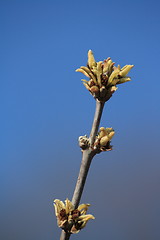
(87, 156)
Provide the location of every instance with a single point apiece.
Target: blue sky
(45, 108)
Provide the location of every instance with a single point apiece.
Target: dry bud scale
(103, 76)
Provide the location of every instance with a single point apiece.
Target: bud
(104, 140)
(103, 77)
(83, 142)
(94, 89)
(125, 70)
(70, 219)
(91, 60)
(111, 134)
(113, 75)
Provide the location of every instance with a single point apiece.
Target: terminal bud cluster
(103, 76)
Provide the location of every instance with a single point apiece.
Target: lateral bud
(83, 142)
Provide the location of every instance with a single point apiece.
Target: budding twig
(104, 77)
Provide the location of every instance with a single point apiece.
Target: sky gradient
(45, 108)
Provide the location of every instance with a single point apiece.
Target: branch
(87, 157)
(96, 121)
(64, 235)
(104, 77)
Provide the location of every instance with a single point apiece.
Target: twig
(87, 156)
(96, 120)
(64, 235)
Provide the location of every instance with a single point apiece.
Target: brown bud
(94, 89)
(91, 83)
(75, 214)
(62, 215)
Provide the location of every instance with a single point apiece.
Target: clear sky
(45, 108)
